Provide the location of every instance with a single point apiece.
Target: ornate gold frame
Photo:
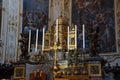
(19, 72)
(94, 70)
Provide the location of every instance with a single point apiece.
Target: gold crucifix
(55, 48)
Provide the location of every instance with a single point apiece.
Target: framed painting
(94, 70)
(19, 72)
(96, 14)
(35, 17)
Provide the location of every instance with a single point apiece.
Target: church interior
(59, 40)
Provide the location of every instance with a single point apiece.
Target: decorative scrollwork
(24, 46)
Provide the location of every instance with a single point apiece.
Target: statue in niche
(93, 34)
(24, 46)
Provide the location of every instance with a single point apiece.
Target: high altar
(61, 54)
(59, 50)
(61, 41)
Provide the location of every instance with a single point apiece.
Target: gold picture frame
(19, 72)
(94, 70)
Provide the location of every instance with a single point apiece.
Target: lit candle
(36, 40)
(57, 30)
(83, 36)
(29, 41)
(75, 36)
(43, 39)
(68, 38)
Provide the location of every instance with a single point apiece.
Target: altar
(58, 57)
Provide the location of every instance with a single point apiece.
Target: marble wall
(10, 29)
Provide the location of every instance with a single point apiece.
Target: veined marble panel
(10, 29)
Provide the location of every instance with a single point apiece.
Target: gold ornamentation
(19, 72)
(94, 70)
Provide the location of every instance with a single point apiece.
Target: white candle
(36, 40)
(43, 39)
(29, 41)
(68, 38)
(75, 36)
(57, 30)
(83, 36)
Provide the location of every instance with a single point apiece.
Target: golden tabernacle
(62, 40)
(56, 33)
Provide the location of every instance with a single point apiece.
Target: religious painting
(19, 72)
(97, 15)
(35, 17)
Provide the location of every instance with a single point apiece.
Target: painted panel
(96, 14)
(35, 16)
